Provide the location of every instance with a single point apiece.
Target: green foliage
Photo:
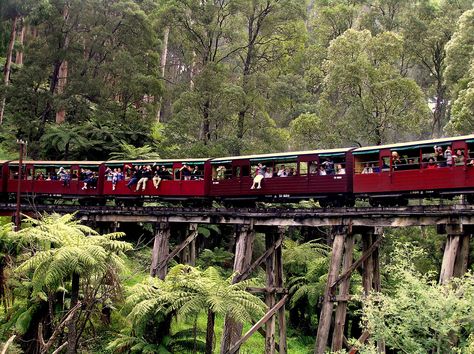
(130, 152)
(63, 247)
(420, 316)
(365, 99)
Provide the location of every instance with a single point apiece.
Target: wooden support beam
(326, 310)
(368, 263)
(282, 341)
(259, 260)
(341, 310)
(270, 296)
(160, 250)
(256, 326)
(164, 263)
(358, 263)
(242, 259)
(462, 259)
(449, 258)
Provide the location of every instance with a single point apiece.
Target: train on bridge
(384, 175)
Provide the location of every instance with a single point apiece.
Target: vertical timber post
(161, 250)
(454, 232)
(327, 307)
(341, 310)
(279, 284)
(242, 259)
(193, 227)
(462, 259)
(270, 293)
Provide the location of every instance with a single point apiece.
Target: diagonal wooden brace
(257, 325)
(259, 261)
(357, 264)
(178, 249)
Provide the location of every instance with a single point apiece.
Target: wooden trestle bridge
(456, 221)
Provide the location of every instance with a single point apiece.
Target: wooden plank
(270, 296)
(341, 310)
(357, 264)
(256, 326)
(326, 310)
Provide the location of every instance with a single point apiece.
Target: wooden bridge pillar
(342, 252)
(456, 252)
(327, 307)
(242, 259)
(161, 249)
(275, 295)
(188, 254)
(343, 298)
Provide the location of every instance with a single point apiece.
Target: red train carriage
(232, 177)
(42, 178)
(176, 186)
(391, 174)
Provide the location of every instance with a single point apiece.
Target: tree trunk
(72, 327)
(21, 39)
(164, 57)
(8, 64)
(206, 125)
(439, 112)
(62, 80)
(211, 316)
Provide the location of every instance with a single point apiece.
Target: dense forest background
(90, 79)
(221, 77)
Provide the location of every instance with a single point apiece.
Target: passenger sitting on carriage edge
(136, 175)
(146, 175)
(117, 176)
(259, 175)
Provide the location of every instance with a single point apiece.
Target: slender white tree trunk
(8, 64)
(21, 40)
(62, 74)
(164, 58)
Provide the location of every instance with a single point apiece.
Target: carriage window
(332, 165)
(285, 168)
(303, 168)
(366, 163)
(469, 158)
(40, 173)
(313, 168)
(237, 171)
(221, 171)
(14, 172)
(406, 159)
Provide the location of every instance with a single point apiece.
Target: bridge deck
(383, 216)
